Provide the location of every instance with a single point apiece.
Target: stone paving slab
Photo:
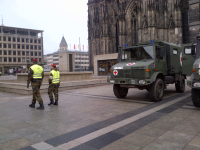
(84, 111)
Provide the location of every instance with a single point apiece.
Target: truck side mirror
(162, 52)
(193, 50)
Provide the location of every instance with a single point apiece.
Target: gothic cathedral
(113, 23)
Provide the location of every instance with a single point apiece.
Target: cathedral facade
(114, 23)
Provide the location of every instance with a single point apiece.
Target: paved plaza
(93, 118)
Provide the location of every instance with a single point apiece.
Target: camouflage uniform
(35, 83)
(53, 89)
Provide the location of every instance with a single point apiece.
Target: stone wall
(64, 76)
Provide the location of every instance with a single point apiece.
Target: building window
(14, 40)
(27, 59)
(5, 59)
(18, 46)
(27, 46)
(14, 59)
(0, 52)
(27, 40)
(27, 53)
(9, 45)
(31, 53)
(31, 46)
(35, 47)
(39, 47)
(39, 53)
(4, 45)
(35, 53)
(18, 39)
(14, 52)
(19, 59)
(35, 41)
(9, 52)
(23, 59)
(4, 38)
(23, 53)
(14, 46)
(0, 59)
(0, 45)
(9, 39)
(31, 59)
(0, 38)
(31, 40)
(40, 59)
(23, 46)
(39, 41)
(4, 52)
(10, 59)
(19, 53)
(22, 39)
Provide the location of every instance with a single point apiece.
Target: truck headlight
(141, 82)
(196, 84)
(132, 81)
(112, 81)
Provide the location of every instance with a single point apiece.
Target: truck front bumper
(139, 82)
(193, 84)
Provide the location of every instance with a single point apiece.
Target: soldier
(54, 83)
(35, 76)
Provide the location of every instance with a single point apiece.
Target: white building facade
(67, 60)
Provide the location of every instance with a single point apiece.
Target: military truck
(152, 66)
(194, 81)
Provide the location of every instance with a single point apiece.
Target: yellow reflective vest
(56, 76)
(37, 71)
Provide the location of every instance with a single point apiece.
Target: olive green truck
(194, 81)
(152, 66)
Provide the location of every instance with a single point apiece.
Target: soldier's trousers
(36, 92)
(53, 89)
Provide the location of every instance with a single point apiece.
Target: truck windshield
(137, 53)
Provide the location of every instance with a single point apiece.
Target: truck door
(161, 60)
(187, 60)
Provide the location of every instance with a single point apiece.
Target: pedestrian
(35, 76)
(54, 83)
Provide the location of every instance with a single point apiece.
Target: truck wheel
(157, 90)
(195, 97)
(120, 92)
(180, 85)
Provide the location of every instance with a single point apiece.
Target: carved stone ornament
(172, 31)
(145, 26)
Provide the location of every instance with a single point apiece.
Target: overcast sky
(55, 17)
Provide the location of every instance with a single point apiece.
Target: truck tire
(120, 92)
(157, 90)
(195, 97)
(180, 85)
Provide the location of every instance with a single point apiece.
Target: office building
(19, 46)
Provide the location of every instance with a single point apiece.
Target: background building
(18, 47)
(68, 60)
(113, 23)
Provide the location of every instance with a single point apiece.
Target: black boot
(56, 103)
(51, 102)
(41, 106)
(32, 105)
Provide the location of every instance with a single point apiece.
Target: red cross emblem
(115, 72)
(130, 64)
